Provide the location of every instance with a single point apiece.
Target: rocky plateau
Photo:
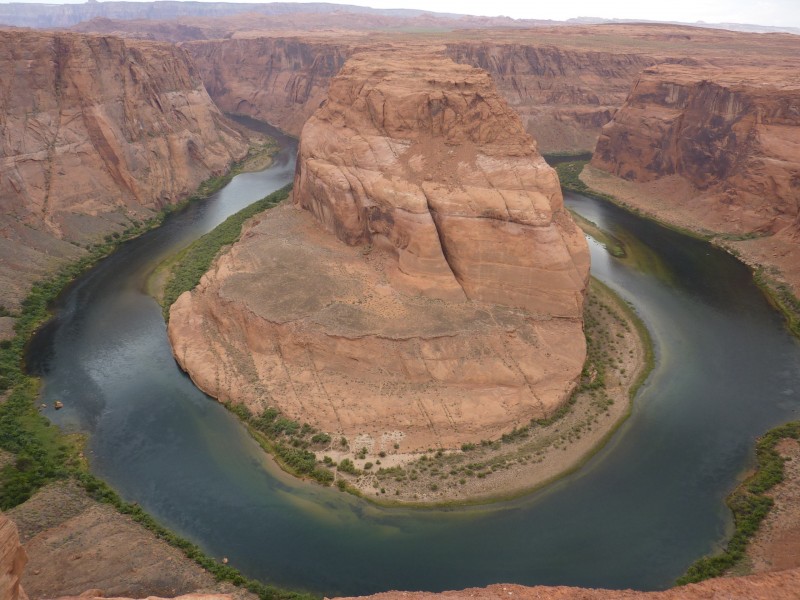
(96, 132)
(426, 287)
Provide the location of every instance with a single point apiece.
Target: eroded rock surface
(12, 561)
(95, 132)
(445, 307)
(781, 585)
(716, 150)
(422, 156)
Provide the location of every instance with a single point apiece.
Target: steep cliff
(447, 306)
(95, 132)
(12, 561)
(564, 95)
(433, 164)
(735, 137)
(278, 80)
(716, 150)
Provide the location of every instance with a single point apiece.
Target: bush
(749, 506)
(198, 257)
(346, 466)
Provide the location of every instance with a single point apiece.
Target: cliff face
(563, 95)
(445, 307)
(734, 136)
(95, 132)
(434, 165)
(278, 80)
(12, 561)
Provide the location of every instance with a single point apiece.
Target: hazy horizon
(775, 13)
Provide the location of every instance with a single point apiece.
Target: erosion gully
(636, 515)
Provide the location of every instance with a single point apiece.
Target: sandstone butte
(426, 287)
(716, 150)
(95, 132)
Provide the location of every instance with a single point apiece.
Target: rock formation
(564, 95)
(447, 305)
(781, 585)
(12, 561)
(432, 164)
(278, 80)
(714, 149)
(734, 136)
(95, 132)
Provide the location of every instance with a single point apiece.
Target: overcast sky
(785, 13)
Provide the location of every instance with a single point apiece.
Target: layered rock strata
(278, 80)
(713, 149)
(431, 291)
(12, 561)
(95, 132)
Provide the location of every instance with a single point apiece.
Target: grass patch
(749, 504)
(780, 296)
(194, 260)
(612, 244)
(288, 441)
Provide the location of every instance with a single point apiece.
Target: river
(639, 512)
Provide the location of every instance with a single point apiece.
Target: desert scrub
(749, 505)
(781, 296)
(288, 441)
(194, 260)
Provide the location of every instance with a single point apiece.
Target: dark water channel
(635, 516)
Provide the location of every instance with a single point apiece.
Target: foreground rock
(12, 561)
(448, 309)
(782, 585)
(97, 133)
(77, 546)
(713, 150)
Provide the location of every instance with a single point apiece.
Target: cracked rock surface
(424, 289)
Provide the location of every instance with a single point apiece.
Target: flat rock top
(304, 273)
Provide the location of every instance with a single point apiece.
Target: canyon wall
(278, 80)
(735, 137)
(12, 561)
(716, 151)
(96, 132)
(564, 96)
(426, 287)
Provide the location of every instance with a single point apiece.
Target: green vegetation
(42, 454)
(614, 245)
(749, 504)
(194, 260)
(556, 158)
(781, 296)
(101, 492)
(288, 441)
(569, 176)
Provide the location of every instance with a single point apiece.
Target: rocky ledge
(426, 287)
